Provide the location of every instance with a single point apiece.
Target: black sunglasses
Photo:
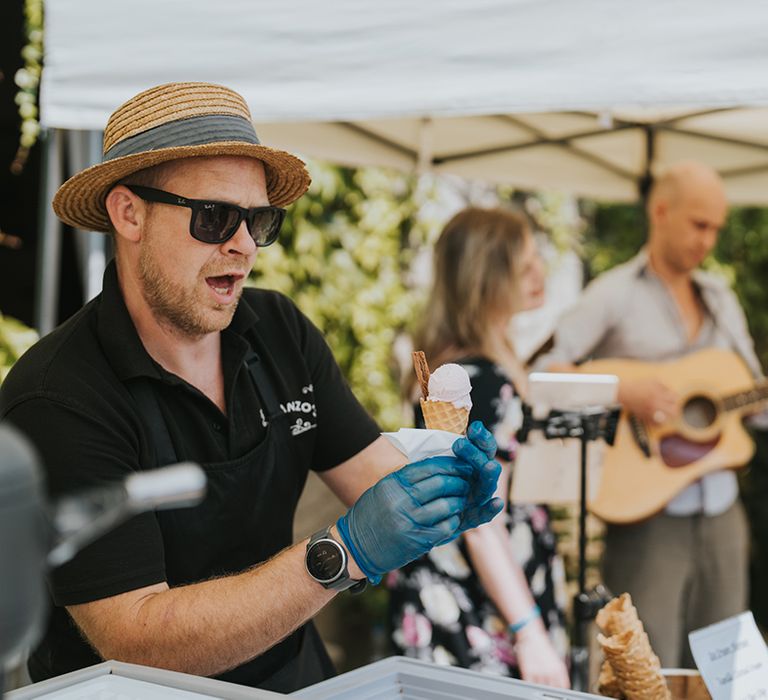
(217, 222)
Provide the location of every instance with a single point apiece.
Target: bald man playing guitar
(686, 566)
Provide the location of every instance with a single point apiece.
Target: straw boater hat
(168, 122)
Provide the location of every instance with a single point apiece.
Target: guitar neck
(746, 399)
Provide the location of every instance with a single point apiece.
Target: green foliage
(15, 339)
(615, 234)
(743, 250)
(27, 81)
(342, 257)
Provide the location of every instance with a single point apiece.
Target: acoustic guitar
(649, 464)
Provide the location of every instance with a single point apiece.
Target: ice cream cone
(631, 669)
(442, 415)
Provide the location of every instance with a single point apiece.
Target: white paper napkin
(417, 443)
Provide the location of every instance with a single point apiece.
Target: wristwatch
(326, 562)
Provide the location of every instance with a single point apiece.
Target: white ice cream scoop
(450, 383)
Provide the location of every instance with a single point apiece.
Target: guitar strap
(714, 306)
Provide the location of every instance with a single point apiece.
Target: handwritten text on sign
(732, 658)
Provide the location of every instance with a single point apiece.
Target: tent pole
(49, 243)
(84, 151)
(646, 179)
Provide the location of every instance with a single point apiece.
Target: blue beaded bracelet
(532, 615)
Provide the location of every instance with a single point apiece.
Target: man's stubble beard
(172, 305)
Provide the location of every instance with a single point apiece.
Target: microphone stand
(588, 424)
(35, 537)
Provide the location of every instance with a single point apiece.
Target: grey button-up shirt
(628, 312)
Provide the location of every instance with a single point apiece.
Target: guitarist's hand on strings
(650, 400)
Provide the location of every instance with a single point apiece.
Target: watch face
(325, 560)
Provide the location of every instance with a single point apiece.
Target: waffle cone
(442, 415)
(607, 683)
(635, 666)
(631, 669)
(617, 615)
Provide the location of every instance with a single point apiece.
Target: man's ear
(658, 210)
(127, 212)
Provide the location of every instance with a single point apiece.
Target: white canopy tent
(585, 97)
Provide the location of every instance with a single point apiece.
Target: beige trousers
(683, 573)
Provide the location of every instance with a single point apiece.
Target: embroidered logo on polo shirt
(301, 426)
(304, 407)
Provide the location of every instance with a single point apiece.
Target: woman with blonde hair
(491, 601)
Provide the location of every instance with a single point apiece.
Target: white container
(399, 678)
(114, 680)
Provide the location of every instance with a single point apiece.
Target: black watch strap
(341, 581)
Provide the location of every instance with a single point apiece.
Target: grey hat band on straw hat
(194, 131)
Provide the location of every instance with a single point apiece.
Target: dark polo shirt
(68, 394)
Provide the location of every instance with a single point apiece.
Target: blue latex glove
(478, 449)
(423, 505)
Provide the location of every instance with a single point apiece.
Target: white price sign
(732, 658)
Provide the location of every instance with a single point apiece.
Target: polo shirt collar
(244, 319)
(117, 333)
(640, 264)
(120, 339)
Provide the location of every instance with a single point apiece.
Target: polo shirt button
(217, 426)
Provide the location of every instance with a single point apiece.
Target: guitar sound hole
(699, 412)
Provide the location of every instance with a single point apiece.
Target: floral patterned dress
(438, 610)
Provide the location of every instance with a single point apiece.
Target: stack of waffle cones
(631, 670)
(438, 415)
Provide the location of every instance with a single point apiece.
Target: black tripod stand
(585, 425)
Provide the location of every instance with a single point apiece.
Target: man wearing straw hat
(165, 365)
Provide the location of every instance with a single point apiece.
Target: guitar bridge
(640, 435)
